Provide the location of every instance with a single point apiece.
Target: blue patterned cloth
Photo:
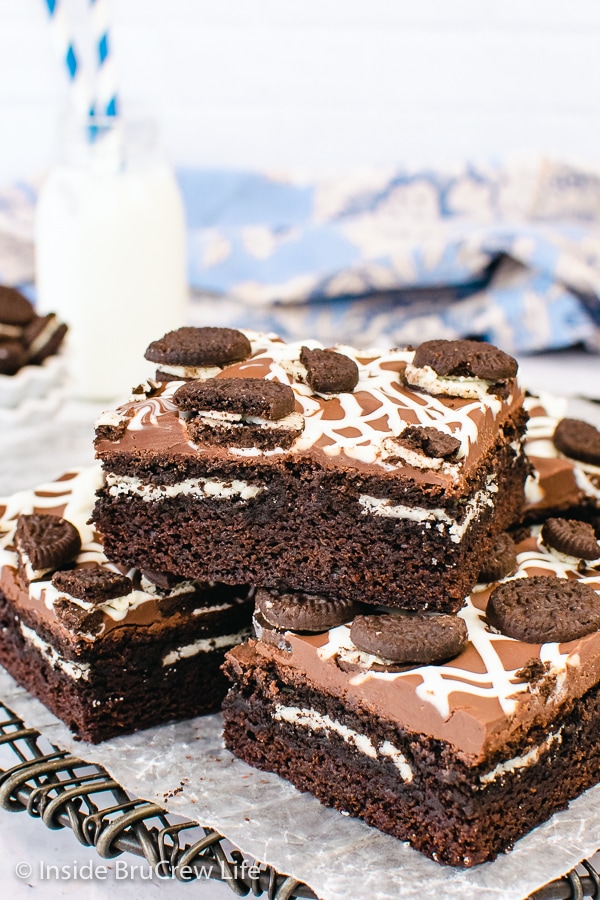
(507, 253)
(510, 253)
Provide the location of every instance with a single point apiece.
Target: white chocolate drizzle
(354, 424)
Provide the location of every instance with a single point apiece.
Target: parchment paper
(268, 819)
(260, 813)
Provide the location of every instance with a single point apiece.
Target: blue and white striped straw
(80, 94)
(106, 83)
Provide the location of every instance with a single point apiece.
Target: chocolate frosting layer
(479, 702)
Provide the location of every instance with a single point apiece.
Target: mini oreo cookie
(12, 357)
(93, 584)
(15, 309)
(191, 346)
(329, 372)
(244, 396)
(42, 337)
(296, 611)
(470, 359)
(427, 440)
(48, 541)
(500, 561)
(543, 608)
(571, 537)
(579, 440)
(417, 638)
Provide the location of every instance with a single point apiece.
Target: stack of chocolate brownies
(413, 663)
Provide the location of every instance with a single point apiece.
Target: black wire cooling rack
(66, 792)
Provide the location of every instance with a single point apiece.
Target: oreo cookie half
(571, 537)
(500, 561)
(240, 412)
(45, 542)
(579, 440)
(329, 372)
(200, 347)
(296, 611)
(429, 441)
(43, 337)
(422, 639)
(94, 584)
(543, 608)
(244, 396)
(471, 359)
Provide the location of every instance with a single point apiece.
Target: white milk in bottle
(110, 254)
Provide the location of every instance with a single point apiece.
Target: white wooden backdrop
(324, 83)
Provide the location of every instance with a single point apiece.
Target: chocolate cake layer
(424, 481)
(147, 652)
(459, 758)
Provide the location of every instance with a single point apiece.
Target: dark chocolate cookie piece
(572, 537)
(190, 346)
(427, 440)
(500, 561)
(544, 608)
(43, 337)
(578, 439)
(471, 359)
(12, 357)
(48, 541)
(245, 396)
(15, 309)
(296, 611)
(93, 584)
(414, 638)
(78, 620)
(329, 372)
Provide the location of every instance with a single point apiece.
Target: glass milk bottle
(110, 253)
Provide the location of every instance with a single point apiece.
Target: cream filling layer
(72, 669)
(205, 645)
(47, 332)
(11, 331)
(315, 721)
(202, 373)
(459, 386)
(521, 762)
(216, 418)
(210, 488)
(378, 506)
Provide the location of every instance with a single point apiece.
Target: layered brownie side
(403, 783)
(424, 480)
(461, 757)
(107, 651)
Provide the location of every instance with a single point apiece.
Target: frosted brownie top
(399, 417)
